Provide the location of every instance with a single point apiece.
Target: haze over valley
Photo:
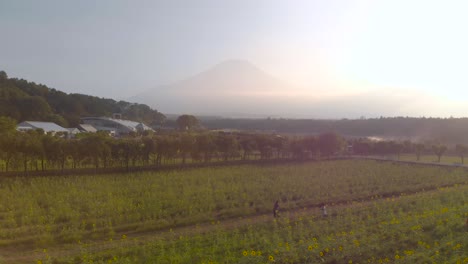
(238, 88)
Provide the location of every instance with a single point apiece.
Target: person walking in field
(276, 209)
(324, 210)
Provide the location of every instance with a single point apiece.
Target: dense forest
(23, 100)
(444, 130)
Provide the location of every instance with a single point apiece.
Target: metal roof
(46, 126)
(87, 128)
(132, 125)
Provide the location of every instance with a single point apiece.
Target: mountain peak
(235, 63)
(236, 67)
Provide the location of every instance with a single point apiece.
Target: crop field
(378, 212)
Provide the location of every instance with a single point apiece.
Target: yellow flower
(270, 258)
(397, 256)
(356, 242)
(39, 262)
(321, 253)
(310, 248)
(259, 253)
(253, 253)
(124, 236)
(350, 262)
(245, 253)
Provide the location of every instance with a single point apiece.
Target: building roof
(132, 125)
(87, 128)
(73, 130)
(46, 126)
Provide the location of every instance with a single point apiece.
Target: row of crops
(44, 212)
(423, 228)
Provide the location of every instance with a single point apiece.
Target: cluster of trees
(23, 100)
(34, 150)
(383, 148)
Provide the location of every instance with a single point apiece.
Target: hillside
(24, 100)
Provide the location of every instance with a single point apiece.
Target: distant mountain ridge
(23, 100)
(229, 77)
(229, 86)
(237, 88)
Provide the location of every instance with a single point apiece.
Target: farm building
(114, 125)
(87, 128)
(48, 127)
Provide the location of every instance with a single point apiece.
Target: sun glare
(418, 44)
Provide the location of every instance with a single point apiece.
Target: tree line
(385, 148)
(36, 150)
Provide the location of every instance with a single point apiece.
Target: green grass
(424, 228)
(45, 212)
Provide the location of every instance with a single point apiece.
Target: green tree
(419, 149)
(248, 146)
(3, 76)
(7, 124)
(298, 149)
(264, 144)
(227, 145)
(8, 142)
(461, 150)
(148, 147)
(330, 144)
(362, 147)
(312, 145)
(72, 148)
(187, 122)
(186, 144)
(29, 146)
(439, 150)
(396, 148)
(97, 147)
(205, 145)
(34, 108)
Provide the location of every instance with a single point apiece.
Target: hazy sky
(116, 48)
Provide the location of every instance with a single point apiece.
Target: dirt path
(17, 255)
